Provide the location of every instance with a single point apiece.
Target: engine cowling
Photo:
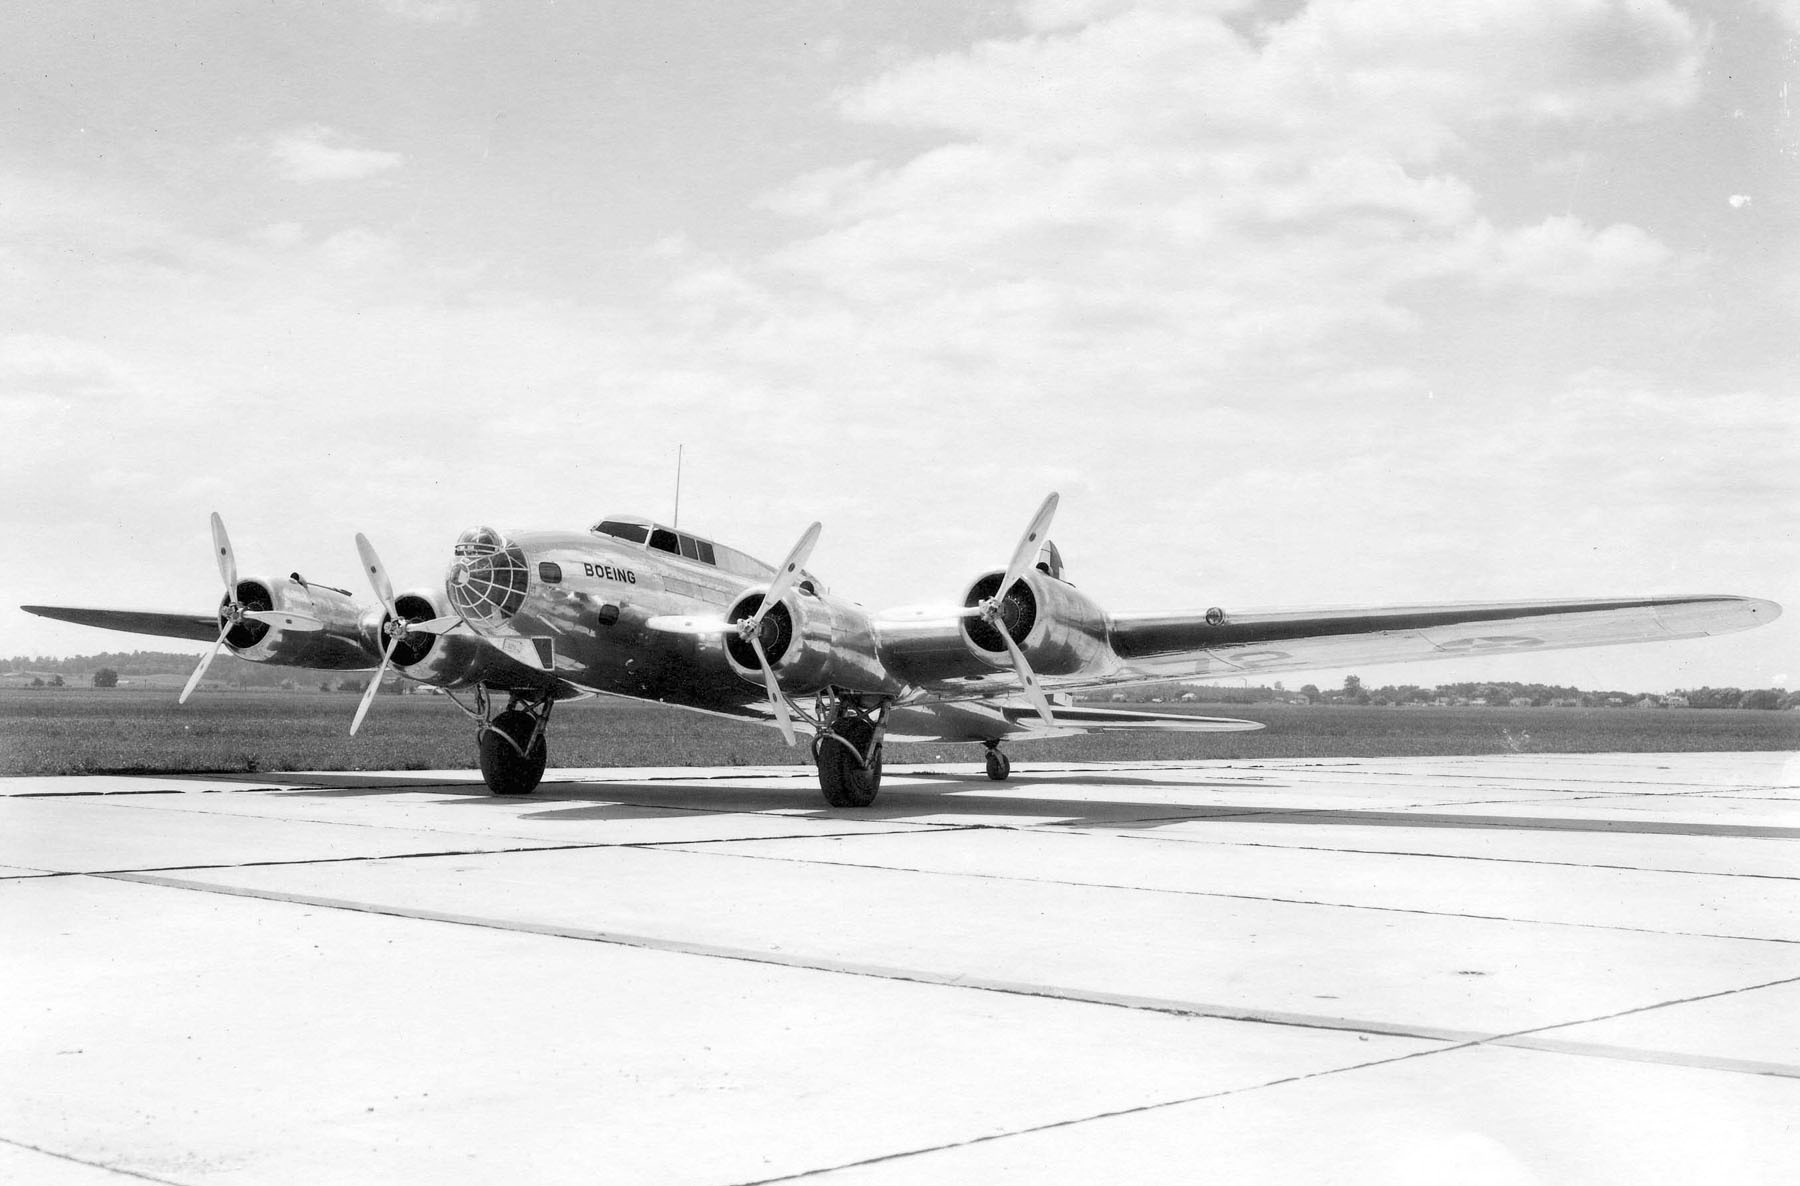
(813, 641)
(442, 660)
(340, 642)
(1061, 630)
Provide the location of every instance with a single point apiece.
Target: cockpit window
(634, 532)
(680, 543)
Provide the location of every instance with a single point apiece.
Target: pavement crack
(1228, 896)
(91, 1164)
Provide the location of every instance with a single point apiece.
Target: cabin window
(550, 572)
(606, 615)
(664, 540)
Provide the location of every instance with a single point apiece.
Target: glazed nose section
(487, 580)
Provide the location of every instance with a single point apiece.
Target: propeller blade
(774, 687)
(205, 662)
(440, 626)
(378, 578)
(222, 552)
(287, 621)
(1028, 678)
(368, 698)
(1029, 543)
(784, 576)
(684, 624)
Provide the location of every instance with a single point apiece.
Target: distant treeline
(1503, 693)
(129, 665)
(232, 671)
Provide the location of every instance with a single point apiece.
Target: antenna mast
(677, 520)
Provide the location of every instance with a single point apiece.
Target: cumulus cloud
(1150, 183)
(66, 366)
(1785, 11)
(319, 153)
(1561, 255)
(433, 12)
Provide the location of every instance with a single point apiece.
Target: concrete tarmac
(1529, 968)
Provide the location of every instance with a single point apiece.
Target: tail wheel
(506, 769)
(845, 779)
(998, 764)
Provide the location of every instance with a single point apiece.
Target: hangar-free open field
(76, 731)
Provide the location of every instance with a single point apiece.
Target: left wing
(1215, 645)
(933, 656)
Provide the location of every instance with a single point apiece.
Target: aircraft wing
(198, 627)
(1211, 645)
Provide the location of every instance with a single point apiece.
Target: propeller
(393, 625)
(384, 593)
(233, 612)
(992, 609)
(750, 629)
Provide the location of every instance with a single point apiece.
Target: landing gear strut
(998, 764)
(847, 747)
(511, 743)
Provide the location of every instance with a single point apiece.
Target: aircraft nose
(487, 579)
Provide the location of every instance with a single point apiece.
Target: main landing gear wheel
(849, 771)
(508, 767)
(998, 764)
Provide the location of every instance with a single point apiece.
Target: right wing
(197, 627)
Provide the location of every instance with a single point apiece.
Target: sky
(1340, 302)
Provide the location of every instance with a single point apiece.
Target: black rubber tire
(504, 771)
(844, 781)
(998, 765)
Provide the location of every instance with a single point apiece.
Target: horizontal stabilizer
(198, 627)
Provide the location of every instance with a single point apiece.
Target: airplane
(631, 607)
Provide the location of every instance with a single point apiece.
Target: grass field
(80, 731)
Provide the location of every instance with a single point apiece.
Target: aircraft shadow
(974, 799)
(903, 806)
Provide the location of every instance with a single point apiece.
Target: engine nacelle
(813, 641)
(1061, 630)
(443, 660)
(341, 641)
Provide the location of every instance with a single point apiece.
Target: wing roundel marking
(1491, 642)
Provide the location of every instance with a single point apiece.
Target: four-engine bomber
(632, 607)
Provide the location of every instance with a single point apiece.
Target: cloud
(1148, 187)
(433, 12)
(1785, 11)
(65, 368)
(1395, 72)
(318, 153)
(1562, 255)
